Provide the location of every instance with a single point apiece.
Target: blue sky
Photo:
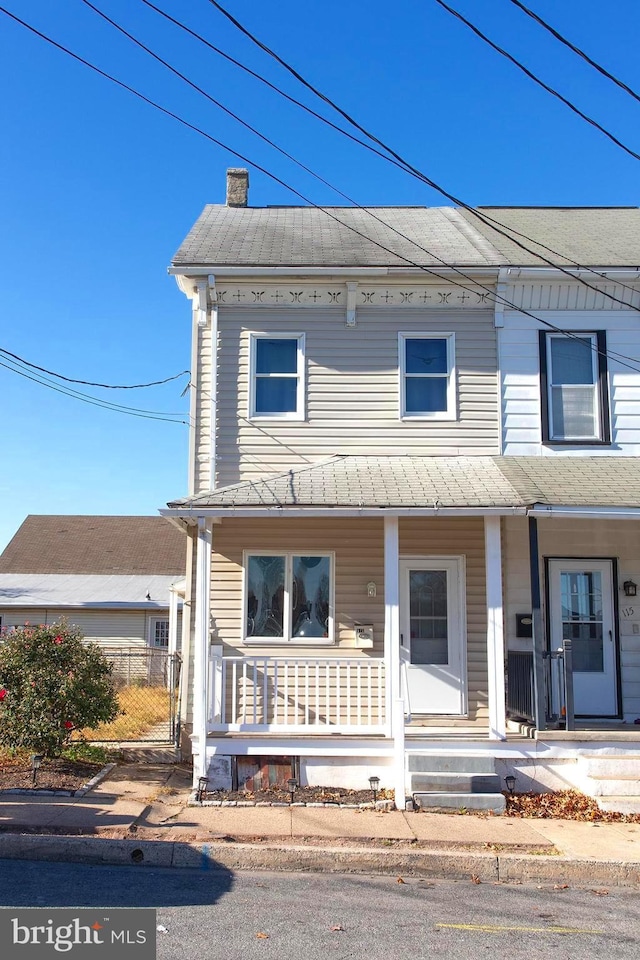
(98, 189)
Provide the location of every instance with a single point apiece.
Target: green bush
(51, 684)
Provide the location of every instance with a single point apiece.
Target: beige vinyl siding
(464, 537)
(106, 627)
(607, 539)
(352, 390)
(358, 546)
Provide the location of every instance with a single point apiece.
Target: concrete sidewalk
(140, 814)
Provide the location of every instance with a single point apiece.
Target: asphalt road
(222, 916)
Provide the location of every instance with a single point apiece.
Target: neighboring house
(119, 579)
(413, 463)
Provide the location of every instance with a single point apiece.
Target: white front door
(432, 618)
(581, 608)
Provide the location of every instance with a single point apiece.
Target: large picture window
(573, 376)
(277, 376)
(288, 597)
(427, 376)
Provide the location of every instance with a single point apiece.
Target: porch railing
(520, 685)
(301, 695)
(558, 685)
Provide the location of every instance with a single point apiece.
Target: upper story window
(277, 376)
(573, 380)
(427, 376)
(288, 597)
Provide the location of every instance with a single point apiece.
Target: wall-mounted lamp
(203, 783)
(630, 588)
(510, 782)
(374, 783)
(371, 589)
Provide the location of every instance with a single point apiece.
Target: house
(414, 494)
(119, 579)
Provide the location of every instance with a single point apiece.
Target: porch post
(392, 653)
(495, 629)
(173, 631)
(540, 706)
(201, 645)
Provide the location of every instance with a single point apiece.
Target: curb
(245, 856)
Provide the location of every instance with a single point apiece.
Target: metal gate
(147, 681)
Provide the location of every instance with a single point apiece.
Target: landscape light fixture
(510, 782)
(36, 760)
(630, 588)
(292, 786)
(374, 783)
(203, 783)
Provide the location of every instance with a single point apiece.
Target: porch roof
(432, 483)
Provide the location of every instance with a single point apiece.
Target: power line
(484, 218)
(91, 383)
(94, 401)
(532, 76)
(581, 53)
(307, 200)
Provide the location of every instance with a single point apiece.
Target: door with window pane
(432, 636)
(581, 606)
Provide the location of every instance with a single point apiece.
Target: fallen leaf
(336, 927)
(399, 880)
(475, 879)
(161, 929)
(601, 893)
(561, 886)
(262, 936)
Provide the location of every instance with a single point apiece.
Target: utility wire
(581, 53)
(297, 193)
(484, 218)
(271, 143)
(532, 76)
(91, 383)
(94, 401)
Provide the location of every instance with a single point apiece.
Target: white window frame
(286, 639)
(560, 438)
(299, 412)
(152, 632)
(451, 413)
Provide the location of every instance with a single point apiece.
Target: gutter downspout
(201, 648)
(498, 323)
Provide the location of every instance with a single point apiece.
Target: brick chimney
(237, 187)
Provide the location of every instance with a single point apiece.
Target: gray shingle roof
(400, 482)
(306, 236)
(96, 545)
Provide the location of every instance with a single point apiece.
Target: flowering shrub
(50, 684)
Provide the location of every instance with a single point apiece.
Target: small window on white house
(277, 376)
(574, 388)
(288, 597)
(427, 376)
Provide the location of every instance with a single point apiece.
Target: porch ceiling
(431, 484)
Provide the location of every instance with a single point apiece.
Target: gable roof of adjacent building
(98, 545)
(401, 482)
(228, 236)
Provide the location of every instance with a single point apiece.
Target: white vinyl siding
(352, 391)
(108, 628)
(520, 383)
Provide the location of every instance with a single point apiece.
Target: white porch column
(201, 645)
(392, 653)
(495, 629)
(173, 630)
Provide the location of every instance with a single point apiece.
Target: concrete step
(454, 783)
(446, 763)
(612, 768)
(460, 801)
(619, 804)
(614, 788)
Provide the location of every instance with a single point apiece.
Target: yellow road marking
(490, 928)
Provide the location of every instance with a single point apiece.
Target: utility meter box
(364, 636)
